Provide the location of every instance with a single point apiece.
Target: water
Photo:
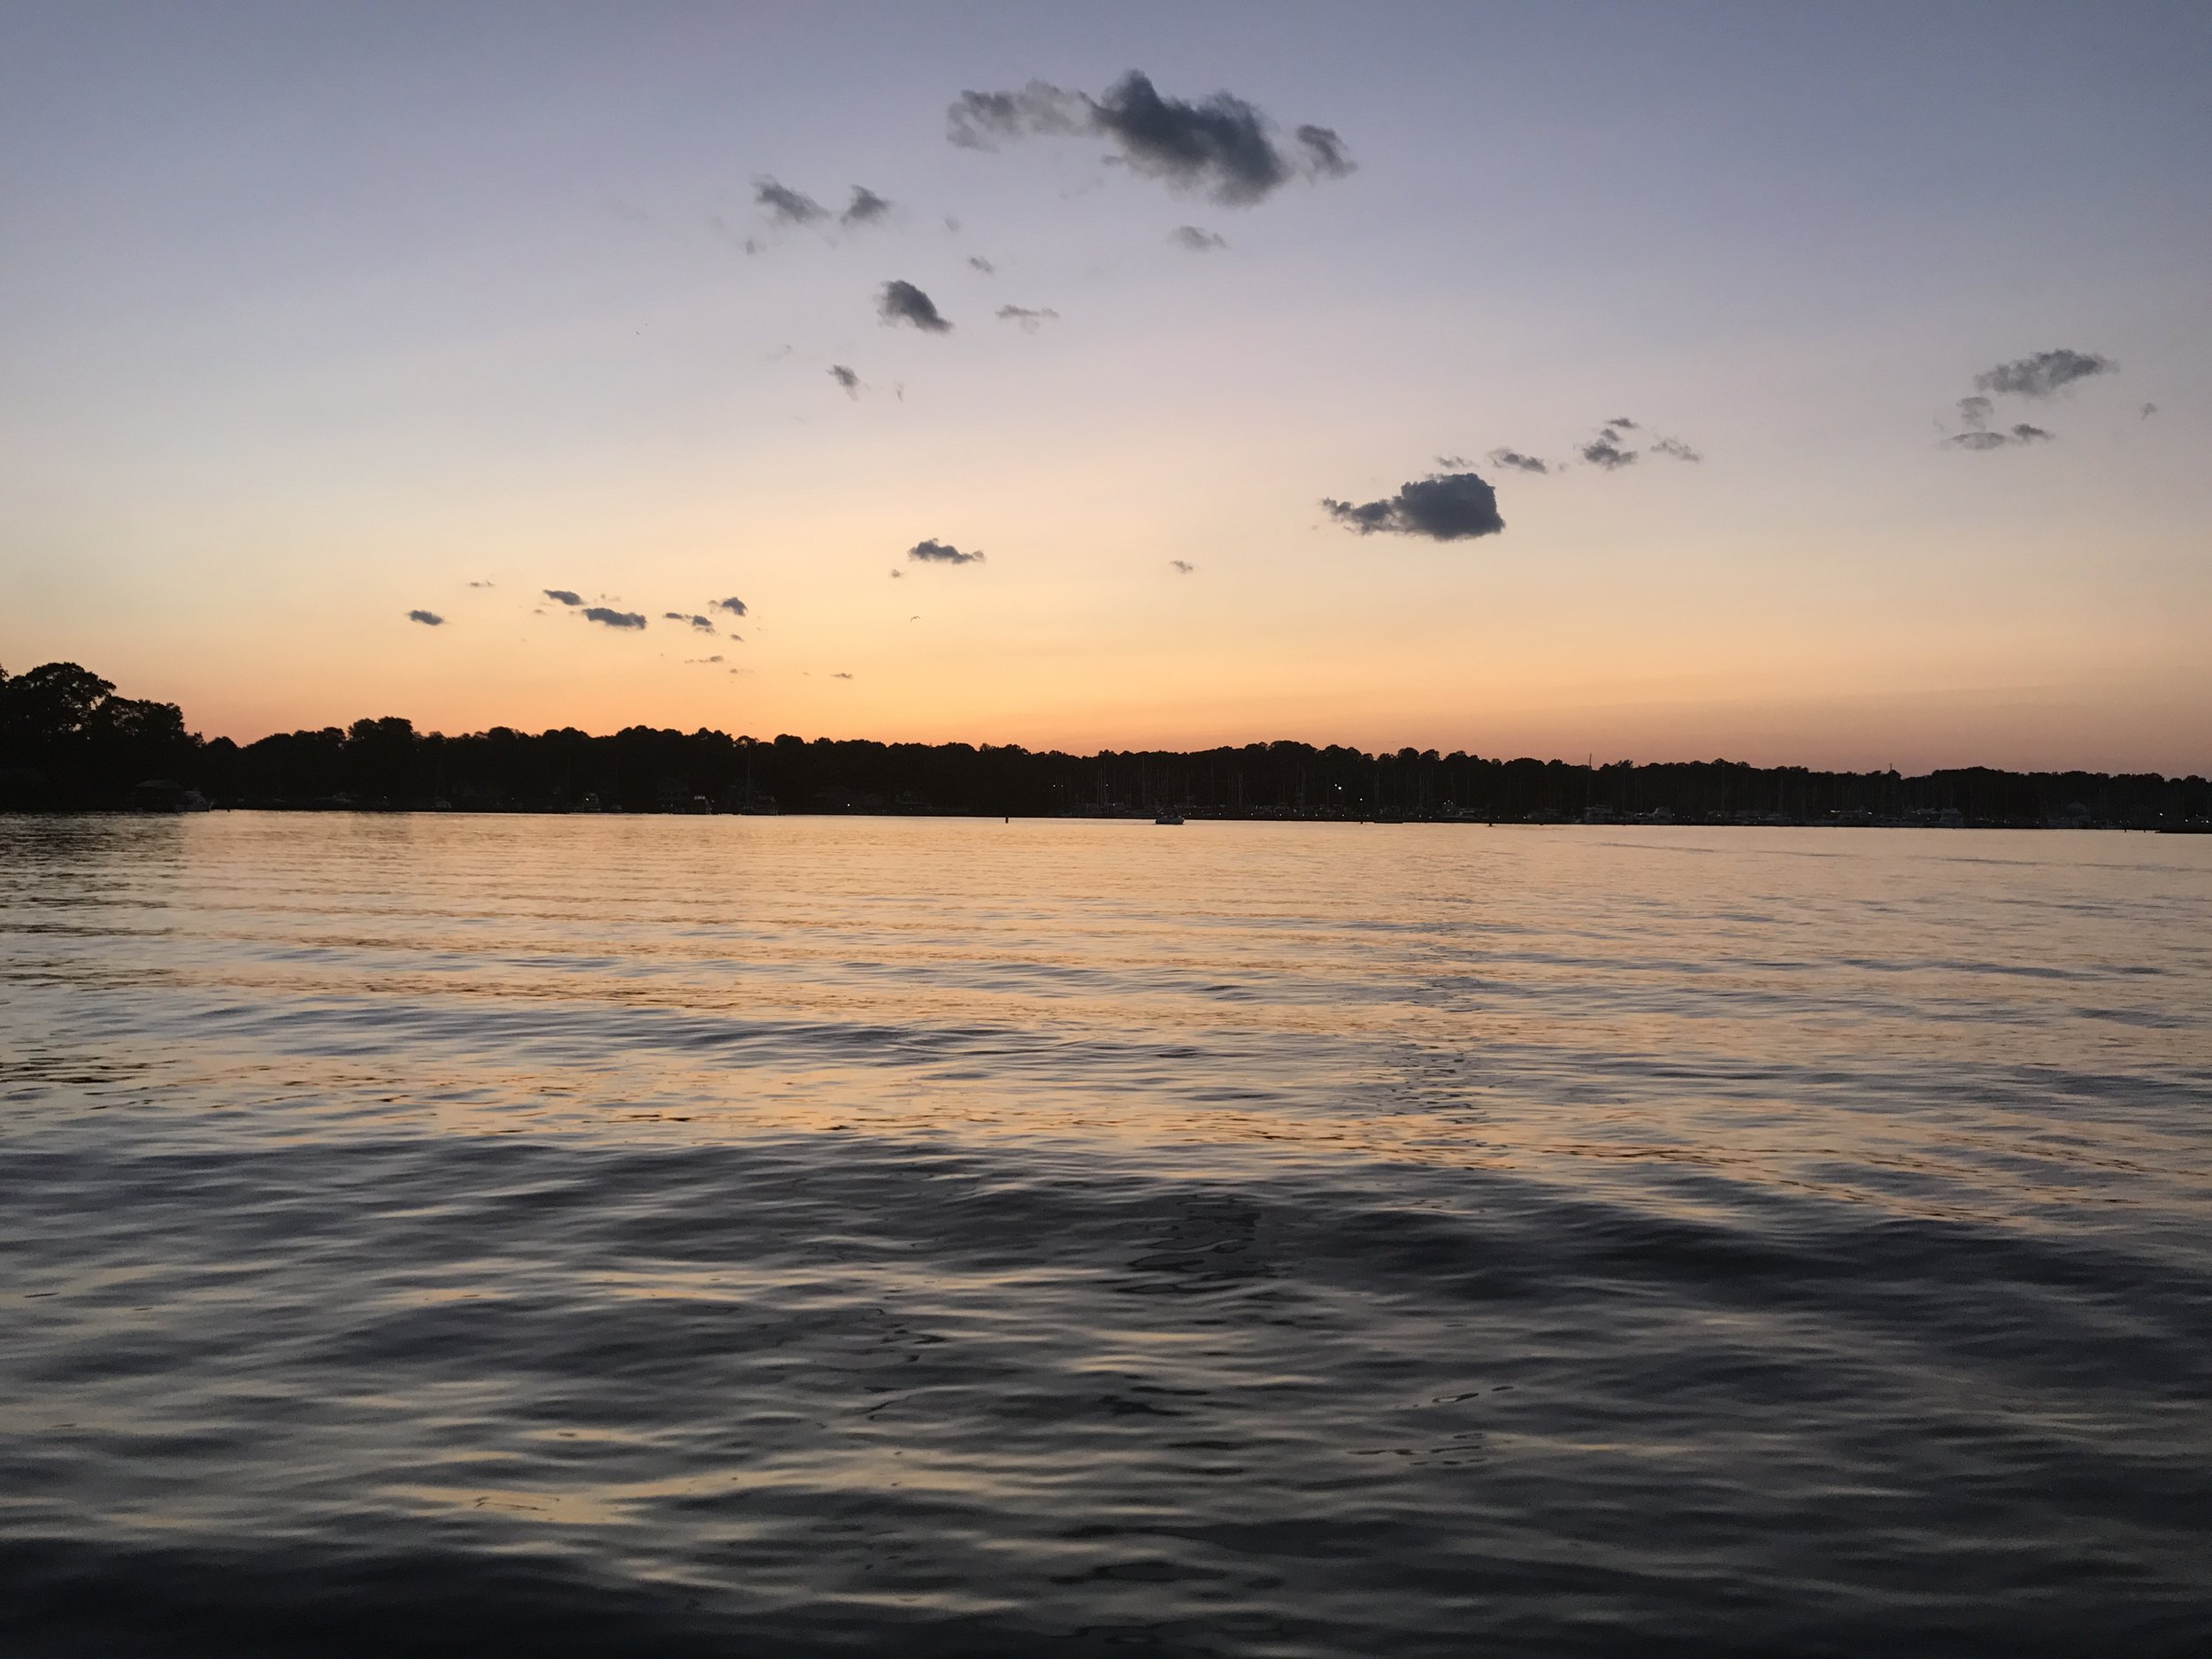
(795, 1237)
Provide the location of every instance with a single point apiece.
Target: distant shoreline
(68, 743)
(1134, 817)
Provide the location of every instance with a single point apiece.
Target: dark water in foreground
(792, 1237)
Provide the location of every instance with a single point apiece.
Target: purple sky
(311, 318)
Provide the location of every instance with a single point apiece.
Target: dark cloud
(613, 618)
(934, 552)
(1182, 567)
(1605, 450)
(1623, 422)
(982, 265)
(1195, 240)
(785, 205)
(429, 618)
(845, 378)
(2148, 411)
(1030, 319)
(1984, 441)
(1220, 145)
(1448, 507)
(1975, 413)
(1677, 450)
(902, 303)
(2044, 374)
(1324, 153)
(734, 606)
(564, 596)
(865, 208)
(1519, 462)
(700, 623)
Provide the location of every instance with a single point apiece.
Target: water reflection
(1263, 1239)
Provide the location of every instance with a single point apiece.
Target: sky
(1866, 352)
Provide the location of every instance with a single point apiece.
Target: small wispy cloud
(1029, 319)
(1182, 567)
(976, 261)
(561, 596)
(846, 378)
(934, 552)
(865, 208)
(429, 618)
(2011, 437)
(1196, 241)
(785, 205)
(2043, 372)
(1676, 449)
(612, 619)
(699, 623)
(1517, 461)
(733, 605)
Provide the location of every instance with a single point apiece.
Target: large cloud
(613, 618)
(1220, 145)
(936, 552)
(2043, 374)
(1446, 507)
(898, 302)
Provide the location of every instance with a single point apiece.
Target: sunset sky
(311, 318)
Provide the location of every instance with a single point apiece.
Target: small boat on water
(1169, 817)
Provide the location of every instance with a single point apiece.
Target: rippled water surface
(803, 1236)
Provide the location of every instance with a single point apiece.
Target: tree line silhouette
(68, 743)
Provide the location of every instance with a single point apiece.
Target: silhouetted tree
(66, 740)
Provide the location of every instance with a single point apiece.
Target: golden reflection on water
(1219, 1237)
(1850, 1012)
